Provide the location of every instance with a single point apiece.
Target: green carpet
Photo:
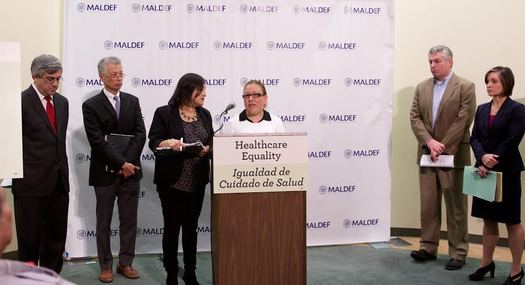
(345, 264)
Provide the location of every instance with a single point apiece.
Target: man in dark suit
(441, 114)
(41, 198)
(115, 172)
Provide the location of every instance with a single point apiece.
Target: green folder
(488, 188)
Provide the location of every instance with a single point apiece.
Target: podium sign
(259, 163)
(259, 209)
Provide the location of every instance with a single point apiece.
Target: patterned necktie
(117, 105)
(50, 110)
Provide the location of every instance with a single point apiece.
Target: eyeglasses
(51, 80)
(253, 95)
(115, 75)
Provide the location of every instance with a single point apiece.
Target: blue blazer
(503, 138)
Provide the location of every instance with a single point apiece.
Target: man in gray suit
(115, 170)
(440, 117)
(41, 198)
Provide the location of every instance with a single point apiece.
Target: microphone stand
(220, 119)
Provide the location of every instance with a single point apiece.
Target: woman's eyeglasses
(253, 95)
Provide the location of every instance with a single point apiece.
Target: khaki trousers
(435, 183)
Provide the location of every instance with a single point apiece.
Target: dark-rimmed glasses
(253, 95)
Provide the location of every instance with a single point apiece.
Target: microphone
(228, 108)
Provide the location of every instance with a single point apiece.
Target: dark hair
(188, 83)
(505, 76)
(256, 82)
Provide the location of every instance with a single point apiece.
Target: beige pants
(434, 183)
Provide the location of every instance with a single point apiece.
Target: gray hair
(442, 49)
(45, 63)
(107, 60)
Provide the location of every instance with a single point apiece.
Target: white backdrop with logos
(328, 69)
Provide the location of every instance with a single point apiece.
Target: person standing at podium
(254, 118)
(181, 175)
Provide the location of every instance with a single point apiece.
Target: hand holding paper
(444, 160)
(489, 188)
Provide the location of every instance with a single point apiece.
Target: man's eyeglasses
(115, 75)
(253, 95)
(51, 80)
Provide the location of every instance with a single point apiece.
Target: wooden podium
(259, 209)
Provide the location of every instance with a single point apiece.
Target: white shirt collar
(40, 94)
(110, 95)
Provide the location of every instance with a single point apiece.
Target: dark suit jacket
(100, 119)
(503, 138)
(45, 159)
(167, 124)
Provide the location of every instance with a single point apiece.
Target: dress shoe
(482, 271)
(454, 264)
(106, 276)
(422, 255)
(516, 279)
(128, 271)
(189, 277)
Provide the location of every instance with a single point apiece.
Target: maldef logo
(362, 153)
(365, 82)
(285, 45)
(80, 82)
(324, 118)
(258, 9)
(311, 9)
(297, 82)
(232, 45)
(123, 45)
(136, 8)
(362, 10)
(190, 8)
(345, 46)
(82, 7)
(360, 223)
(80, 158)
(265, 81)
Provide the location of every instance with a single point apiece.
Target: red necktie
(50, 110)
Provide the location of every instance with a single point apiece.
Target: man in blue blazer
(41, 198)
(114, 172)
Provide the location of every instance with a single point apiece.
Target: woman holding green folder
(498, 129)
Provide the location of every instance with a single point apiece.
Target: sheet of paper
(444, 160)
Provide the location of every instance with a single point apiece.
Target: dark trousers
(180, 209)
(126, 193)
(41, 228)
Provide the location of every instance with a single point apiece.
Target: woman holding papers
(181, 171)
(254, 118)
(498, 129)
